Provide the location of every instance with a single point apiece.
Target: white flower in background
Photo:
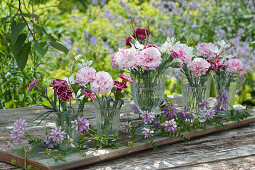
(138, 45)
(69, 80)
(223, 44)
(167, 45)
(85, 63)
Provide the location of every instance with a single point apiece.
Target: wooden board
(75, 160)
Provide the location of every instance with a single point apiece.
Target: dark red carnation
(126, 78)
(142, 33)
(66, 95)
(120, 85)
(56, 83)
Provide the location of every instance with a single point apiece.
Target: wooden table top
(232, 149)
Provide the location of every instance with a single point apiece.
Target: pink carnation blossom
(234, 65)
(88, 94)
(113, 61)
(33, 84)
(148, 46)
(126, 78)
(216, 65)
(207, 50)
(178, 52)
(149, 58)
(198, 67)
(125, 59)
(103, 83)
(85, 75)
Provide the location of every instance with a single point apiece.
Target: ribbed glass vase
(108, 116)
(193, 94)
(226, 82)
(148, 90)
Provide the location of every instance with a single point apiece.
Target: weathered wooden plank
(75, 160)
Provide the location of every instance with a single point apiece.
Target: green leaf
(42, 115)
(22, 57)
(19, 44)
(59, 46)
(40, 29)
(41, 48)
(16, 29)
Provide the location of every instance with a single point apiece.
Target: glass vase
(226, 82)
(108, 117)
(193, 94)
(71, 133)
(147, 90)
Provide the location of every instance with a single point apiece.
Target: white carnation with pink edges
(125, 59)
(198, 67)
(85, 75)
(149, 58)
(103, 83)
(234, 65)
(207, 50)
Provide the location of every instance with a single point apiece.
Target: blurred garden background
(51, 33)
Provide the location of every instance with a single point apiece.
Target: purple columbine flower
(106, 43)
(57, 134)
(93, 39)
(67, 41)
(170, 126)
(125, 127)
(103, 1)
(94, 1)
(78, 50)
(170, 111)
(18, 131)
(81, 125)
(184, 115)
(75, 8)
(86, 34)
(90, 21)
(73, 16)
(208, 114)
(147, 133)
(54, 54)
(79, 17)
(148, 117)
(134, 109)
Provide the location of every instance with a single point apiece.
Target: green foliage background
(96, 29)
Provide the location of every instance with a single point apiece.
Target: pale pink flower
(149, 58)
(198, 67)
(103, 83)
(85, 75)
(207, 50)
(33, 84)
(125, 59)
(234, 65)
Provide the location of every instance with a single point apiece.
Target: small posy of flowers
(139, 56)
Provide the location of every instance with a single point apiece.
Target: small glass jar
(108, 117)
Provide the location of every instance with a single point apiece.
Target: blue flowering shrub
(95, 29)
